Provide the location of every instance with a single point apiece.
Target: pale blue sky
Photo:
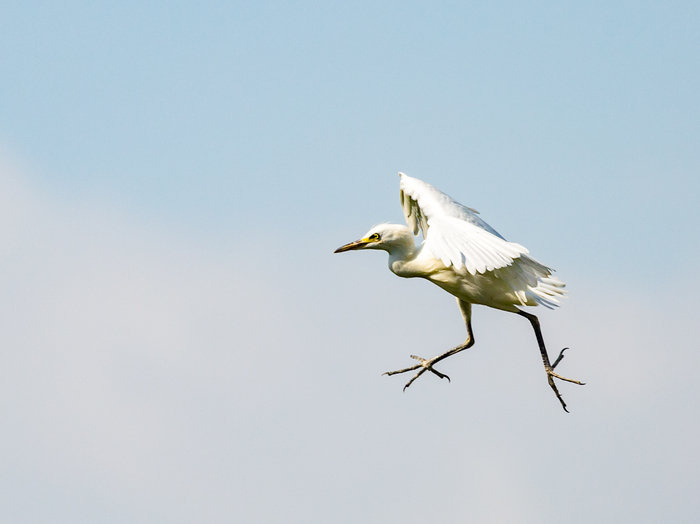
(180, 342)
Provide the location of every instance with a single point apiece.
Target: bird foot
(551, 375)
(425, 365)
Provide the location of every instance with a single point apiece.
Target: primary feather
(421, 201)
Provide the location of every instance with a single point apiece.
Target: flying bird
(470, 260)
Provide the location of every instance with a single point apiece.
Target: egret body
(467, 258)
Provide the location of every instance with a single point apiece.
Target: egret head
(388, 237)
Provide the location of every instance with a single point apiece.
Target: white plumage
(467, 258)
(458, 237)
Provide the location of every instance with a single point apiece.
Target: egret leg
(427, 364)
(549, 368)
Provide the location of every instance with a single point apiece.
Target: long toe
(405, 370)
(428, 364)
(425, 365)
(556, 392)
(551, 373)
(423, 370)
(559, 358)
(441, 375)
(412, 368)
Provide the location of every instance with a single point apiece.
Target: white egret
(467, 258)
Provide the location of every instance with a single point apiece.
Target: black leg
(549, 368)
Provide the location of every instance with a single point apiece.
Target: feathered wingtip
(533, 283)
(547, 291)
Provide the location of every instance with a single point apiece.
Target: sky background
(180, 344)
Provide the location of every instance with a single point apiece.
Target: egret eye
(375, 237)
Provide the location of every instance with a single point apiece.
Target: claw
(559, 358)
(551, 375)
(425, 365)
(414, 378)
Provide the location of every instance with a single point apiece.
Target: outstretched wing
(453, 232)
(421, 201)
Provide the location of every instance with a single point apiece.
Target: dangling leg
(427, 365)
(549, 368)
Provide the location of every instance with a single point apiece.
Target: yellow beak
(357, 244)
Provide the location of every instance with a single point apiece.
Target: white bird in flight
(467, 258)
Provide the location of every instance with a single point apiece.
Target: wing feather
(462, 244)
(421, 202)
(453, 232)
(533, 282)
(457, 236)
